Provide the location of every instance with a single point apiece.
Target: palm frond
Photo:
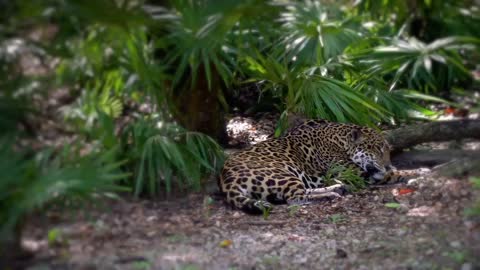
(314, 33)
(12, 111)
(197, 37)
(170, 156)
(313, 95)
(413, 62)
(328, 98)
(31, 183)
(112, 13)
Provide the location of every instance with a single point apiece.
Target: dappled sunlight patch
(181, 257)
(422, 211)
(248, 131)
(296, 238)
(34, 244)
(473, 145)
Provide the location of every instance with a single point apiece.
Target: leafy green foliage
(16, 88)
(426, 19)
(313, 95)
(12, 111)
(110, 72)
(348, 176)
(393, 205)
(165, 154)
(160, 154)
(323, 97)
(196, 38)
(323, 61)
(314, 33)
(328, 64)
(266, 211)
(417, 65)
(32, 183)
(401, 103)
(56, 238)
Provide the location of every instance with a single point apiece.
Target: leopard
(291, 168)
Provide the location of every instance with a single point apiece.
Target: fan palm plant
(313, 33)
(118, 63)
(30, 184)
(423, 19)
(313, 95)
(165, 155)
(198, 52)
(415, 64)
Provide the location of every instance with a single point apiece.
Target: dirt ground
(421, 225)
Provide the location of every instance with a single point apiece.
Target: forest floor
(422, 225)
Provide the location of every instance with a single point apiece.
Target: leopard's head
(370, 151)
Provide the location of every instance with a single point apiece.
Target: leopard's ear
(356, 136)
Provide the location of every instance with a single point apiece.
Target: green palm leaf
(171, 156)
(31, 183)
(312, 35)
(414, 63)
(198, 34)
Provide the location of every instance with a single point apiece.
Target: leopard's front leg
(337, 188)
(299, 195)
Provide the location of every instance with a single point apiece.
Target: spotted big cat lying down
(291, 169)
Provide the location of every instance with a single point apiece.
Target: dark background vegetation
(140, 89)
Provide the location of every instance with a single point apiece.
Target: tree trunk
(12, 254)
(408, 136)
(198, 107)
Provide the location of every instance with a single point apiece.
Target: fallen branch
(408, 136)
